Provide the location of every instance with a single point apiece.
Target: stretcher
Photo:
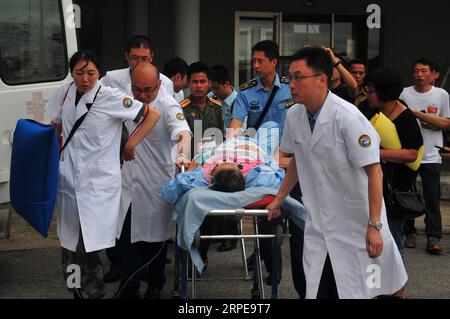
(255, 210)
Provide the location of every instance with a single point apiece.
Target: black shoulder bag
(78, 122)
(266, 108)
(407, 204)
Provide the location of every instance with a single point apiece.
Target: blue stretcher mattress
(34, 173)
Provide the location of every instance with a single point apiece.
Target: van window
(32, 42)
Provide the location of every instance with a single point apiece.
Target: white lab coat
(121, 79)
(143, 178)
(89, 169)
(335, 193)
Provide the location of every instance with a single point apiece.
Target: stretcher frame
(182, 258)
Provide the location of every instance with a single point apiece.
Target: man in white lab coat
(348, 249)
(144, 224)
(138, 50)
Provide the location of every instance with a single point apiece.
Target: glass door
(251, 28)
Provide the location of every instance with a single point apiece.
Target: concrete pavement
(30, 268)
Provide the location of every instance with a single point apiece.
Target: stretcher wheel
(256, 294)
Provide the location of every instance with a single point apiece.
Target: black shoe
(269, 279)
(152, 293)
(112, 275)
(227, 245)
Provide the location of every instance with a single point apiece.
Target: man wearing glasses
(347, 252)
(145, 224)
(138, 50)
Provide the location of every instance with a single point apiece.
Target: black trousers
(431, 179)
(132, 257)
(327, 285)
(296, 249)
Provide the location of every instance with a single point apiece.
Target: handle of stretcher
(239, 212)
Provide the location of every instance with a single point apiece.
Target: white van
(37, 38)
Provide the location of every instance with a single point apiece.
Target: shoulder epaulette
(289, 104)
(247, 85)
(215, 101)
(284, 80)
(185, 102)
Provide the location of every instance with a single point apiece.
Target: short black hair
(269, 47)
(197, 67)
(357, 61)
(426, 61)
(316, 58)
(387, 83)
(85, 55)
(228, 180)
(174, 66)
(219, 74)
(138, 41)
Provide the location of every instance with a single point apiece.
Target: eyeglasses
(136, 58)
(138, 91)
(297, 77)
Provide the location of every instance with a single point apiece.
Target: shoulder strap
(78, 122)
(266, 108)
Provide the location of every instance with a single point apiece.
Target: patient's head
(228, 178)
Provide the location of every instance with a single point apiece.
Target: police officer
(254, 94)
(264, 98)
(223, 91)
(199, 109)
(144, 223)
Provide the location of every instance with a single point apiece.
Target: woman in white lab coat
(89, 183)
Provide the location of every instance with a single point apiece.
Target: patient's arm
(288, 184)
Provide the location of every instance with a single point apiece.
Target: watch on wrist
(337, 64)
(376, 225)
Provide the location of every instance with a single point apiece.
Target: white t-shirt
(434, 102)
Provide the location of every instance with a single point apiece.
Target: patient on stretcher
(238, 163)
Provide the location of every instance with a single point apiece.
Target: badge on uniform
(193, 114)
(127, 102)
(180, 117)
(364, 140)
(254, 105)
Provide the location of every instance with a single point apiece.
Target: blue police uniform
(252, 99)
